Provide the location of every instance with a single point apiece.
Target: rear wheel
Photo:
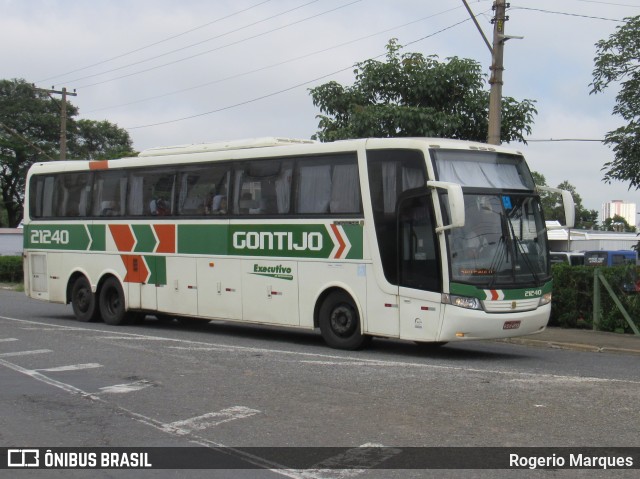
(340, 322)
(83, 301)
(112, 302)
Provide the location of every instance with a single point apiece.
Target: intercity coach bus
(428, 240)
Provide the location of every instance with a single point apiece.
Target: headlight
(462, 301)
(545, 299)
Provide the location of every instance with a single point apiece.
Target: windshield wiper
(519, 247)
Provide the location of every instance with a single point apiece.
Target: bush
(11, 269)
(572, 304)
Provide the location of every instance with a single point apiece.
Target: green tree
(619, 224)
(30, 132)
(618, 61)
(554, 209)
(99, 140)
(415, 95)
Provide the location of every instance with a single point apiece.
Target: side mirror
(569, 206)
(456, 203)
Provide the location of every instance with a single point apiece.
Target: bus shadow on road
(380, 348)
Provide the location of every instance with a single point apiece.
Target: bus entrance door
(420, 282)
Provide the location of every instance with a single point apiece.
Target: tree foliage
(415, 95)
(99, 140)
(618, 61)
(619, 224)
(554, 209)
(30, 132)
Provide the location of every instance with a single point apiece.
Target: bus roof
(256, 147)
(223, 146)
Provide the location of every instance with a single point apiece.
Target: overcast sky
(193, 71)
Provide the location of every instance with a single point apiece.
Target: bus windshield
(503, 242)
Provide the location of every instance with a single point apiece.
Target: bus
(610, 258)
(422, 239)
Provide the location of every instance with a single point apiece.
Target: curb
(570, 346)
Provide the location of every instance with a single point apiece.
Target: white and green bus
(428, 240)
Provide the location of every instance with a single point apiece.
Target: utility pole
(497, 67)
(63, 116)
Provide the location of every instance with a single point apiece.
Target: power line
(269, 95)
(567, 14)
(155, 43)
(273, 65)
(529, 140)
(25, 140)
(139, 62)
(609, 3)
(220, 47)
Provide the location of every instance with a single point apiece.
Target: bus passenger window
(203, 190)
(263, 187)
(328, 185)
(109, 193)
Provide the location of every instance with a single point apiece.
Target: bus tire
(112, 303)
(83, 301)
(340, 322)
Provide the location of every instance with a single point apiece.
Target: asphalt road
(65, 383)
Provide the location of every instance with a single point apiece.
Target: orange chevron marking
(137, 271)
(167, 237)
(123, 237)
(343, 245)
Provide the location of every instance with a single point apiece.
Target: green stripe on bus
(202, 239)
(509, 294)
(321, 241)
(98, 237)
(146, 240)
(157, 269)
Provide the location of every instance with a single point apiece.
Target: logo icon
(23, 458)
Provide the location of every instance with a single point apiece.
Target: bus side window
(263, 187)
(41, 196)
(328, 185)
(71, 197)
(204, 190)
(151, 193)
(109, 193)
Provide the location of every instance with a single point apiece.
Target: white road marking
(25, 353)
(210, 419)
(333, 357)
(6, 340)
(127, 338)
(72, 367)
(126, 388)
(47, 380)
(193, 438)
(351, 463)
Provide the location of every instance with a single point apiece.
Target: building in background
(620, 208)
(10, 241)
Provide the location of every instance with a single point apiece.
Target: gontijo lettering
(278, 240)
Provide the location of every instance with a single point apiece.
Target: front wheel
(112, 303)
(340, 322)
(83, 301)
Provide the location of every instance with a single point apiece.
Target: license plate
(511, 325)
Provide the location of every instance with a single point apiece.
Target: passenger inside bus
(158, 207)
(219, 205)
